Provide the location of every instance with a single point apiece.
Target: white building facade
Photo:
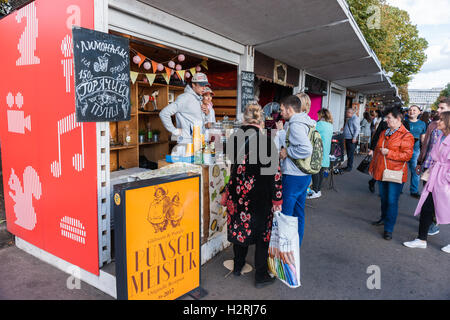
(423, 98)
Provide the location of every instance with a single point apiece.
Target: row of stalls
(60, 174)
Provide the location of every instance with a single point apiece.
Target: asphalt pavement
(339, 247)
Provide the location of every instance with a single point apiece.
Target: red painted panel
(49, 160)
(316, 105)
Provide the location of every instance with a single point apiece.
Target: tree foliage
(444, 93)
(5, 8)
(403, 92)
(393, 38)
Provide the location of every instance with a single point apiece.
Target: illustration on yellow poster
(163, 240)
(219, 175)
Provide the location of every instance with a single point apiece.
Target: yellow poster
(163, 240)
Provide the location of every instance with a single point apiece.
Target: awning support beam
(295, 33)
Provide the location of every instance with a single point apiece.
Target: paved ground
(338, 246)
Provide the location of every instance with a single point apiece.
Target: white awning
(319, 36)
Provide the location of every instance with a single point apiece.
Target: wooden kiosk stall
(151, 91)
(59, 172)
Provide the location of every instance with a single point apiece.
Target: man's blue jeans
(294, 197)
(415, 178)
(389, 193)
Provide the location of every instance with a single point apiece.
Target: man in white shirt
(187, 109)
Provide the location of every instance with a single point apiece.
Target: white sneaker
(446, 248)
(315, 195)
(417, 243)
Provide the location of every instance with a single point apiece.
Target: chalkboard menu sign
(247, 88)
(102, 76)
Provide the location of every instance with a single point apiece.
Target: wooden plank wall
(225, 102)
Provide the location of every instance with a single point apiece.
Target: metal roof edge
(344, 5)
(352, 21)
(159, 17)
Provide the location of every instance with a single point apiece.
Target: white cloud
(433, 20)
(428, 80)
(438, 57)
(425, 12)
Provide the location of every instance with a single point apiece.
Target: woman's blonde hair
(325, 114)
(253, 113)
(306, 102)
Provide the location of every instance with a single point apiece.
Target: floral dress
(250, 200)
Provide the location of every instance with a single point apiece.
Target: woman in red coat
(393, 151)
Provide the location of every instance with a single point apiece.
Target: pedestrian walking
(295, 181)
(376, 120)
(365, 132)
(325, 128)
(351, 135)
(418, 128)
(388, 167)
(425, 161)
(382, 126)
(251, 198)
(434, 116)
(426, 117)
(435, 199)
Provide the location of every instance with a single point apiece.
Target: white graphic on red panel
(67, 49)
(23, 197)
(73, 229)
(66, 125)
(27, 41)
(17, 122)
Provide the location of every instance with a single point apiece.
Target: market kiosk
(60, 173)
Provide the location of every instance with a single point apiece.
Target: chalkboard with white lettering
(102, 76)
(247, 88)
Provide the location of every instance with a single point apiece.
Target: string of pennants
(167, 71)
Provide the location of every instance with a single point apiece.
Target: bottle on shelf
(207, 155)
(126, 135)
(212, 147)
(149, 132)
(196, 137)
(198, 156)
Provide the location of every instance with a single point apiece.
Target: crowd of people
(416, 142)
(398, 143)
(413, 156)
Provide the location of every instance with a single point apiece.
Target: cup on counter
(189, 150)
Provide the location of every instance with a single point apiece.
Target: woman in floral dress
(253, 196)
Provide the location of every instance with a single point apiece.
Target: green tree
(5, 8)
(403, 92)
(394, 39)
(444, 93)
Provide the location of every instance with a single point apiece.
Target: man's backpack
(312, 164)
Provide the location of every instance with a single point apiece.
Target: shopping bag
(284, 250)
(364, 165)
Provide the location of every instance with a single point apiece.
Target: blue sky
(432, 18)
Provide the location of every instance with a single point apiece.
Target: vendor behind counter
(187, 109)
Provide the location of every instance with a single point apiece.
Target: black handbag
(364, 165)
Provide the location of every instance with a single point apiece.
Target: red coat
(400, 145)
